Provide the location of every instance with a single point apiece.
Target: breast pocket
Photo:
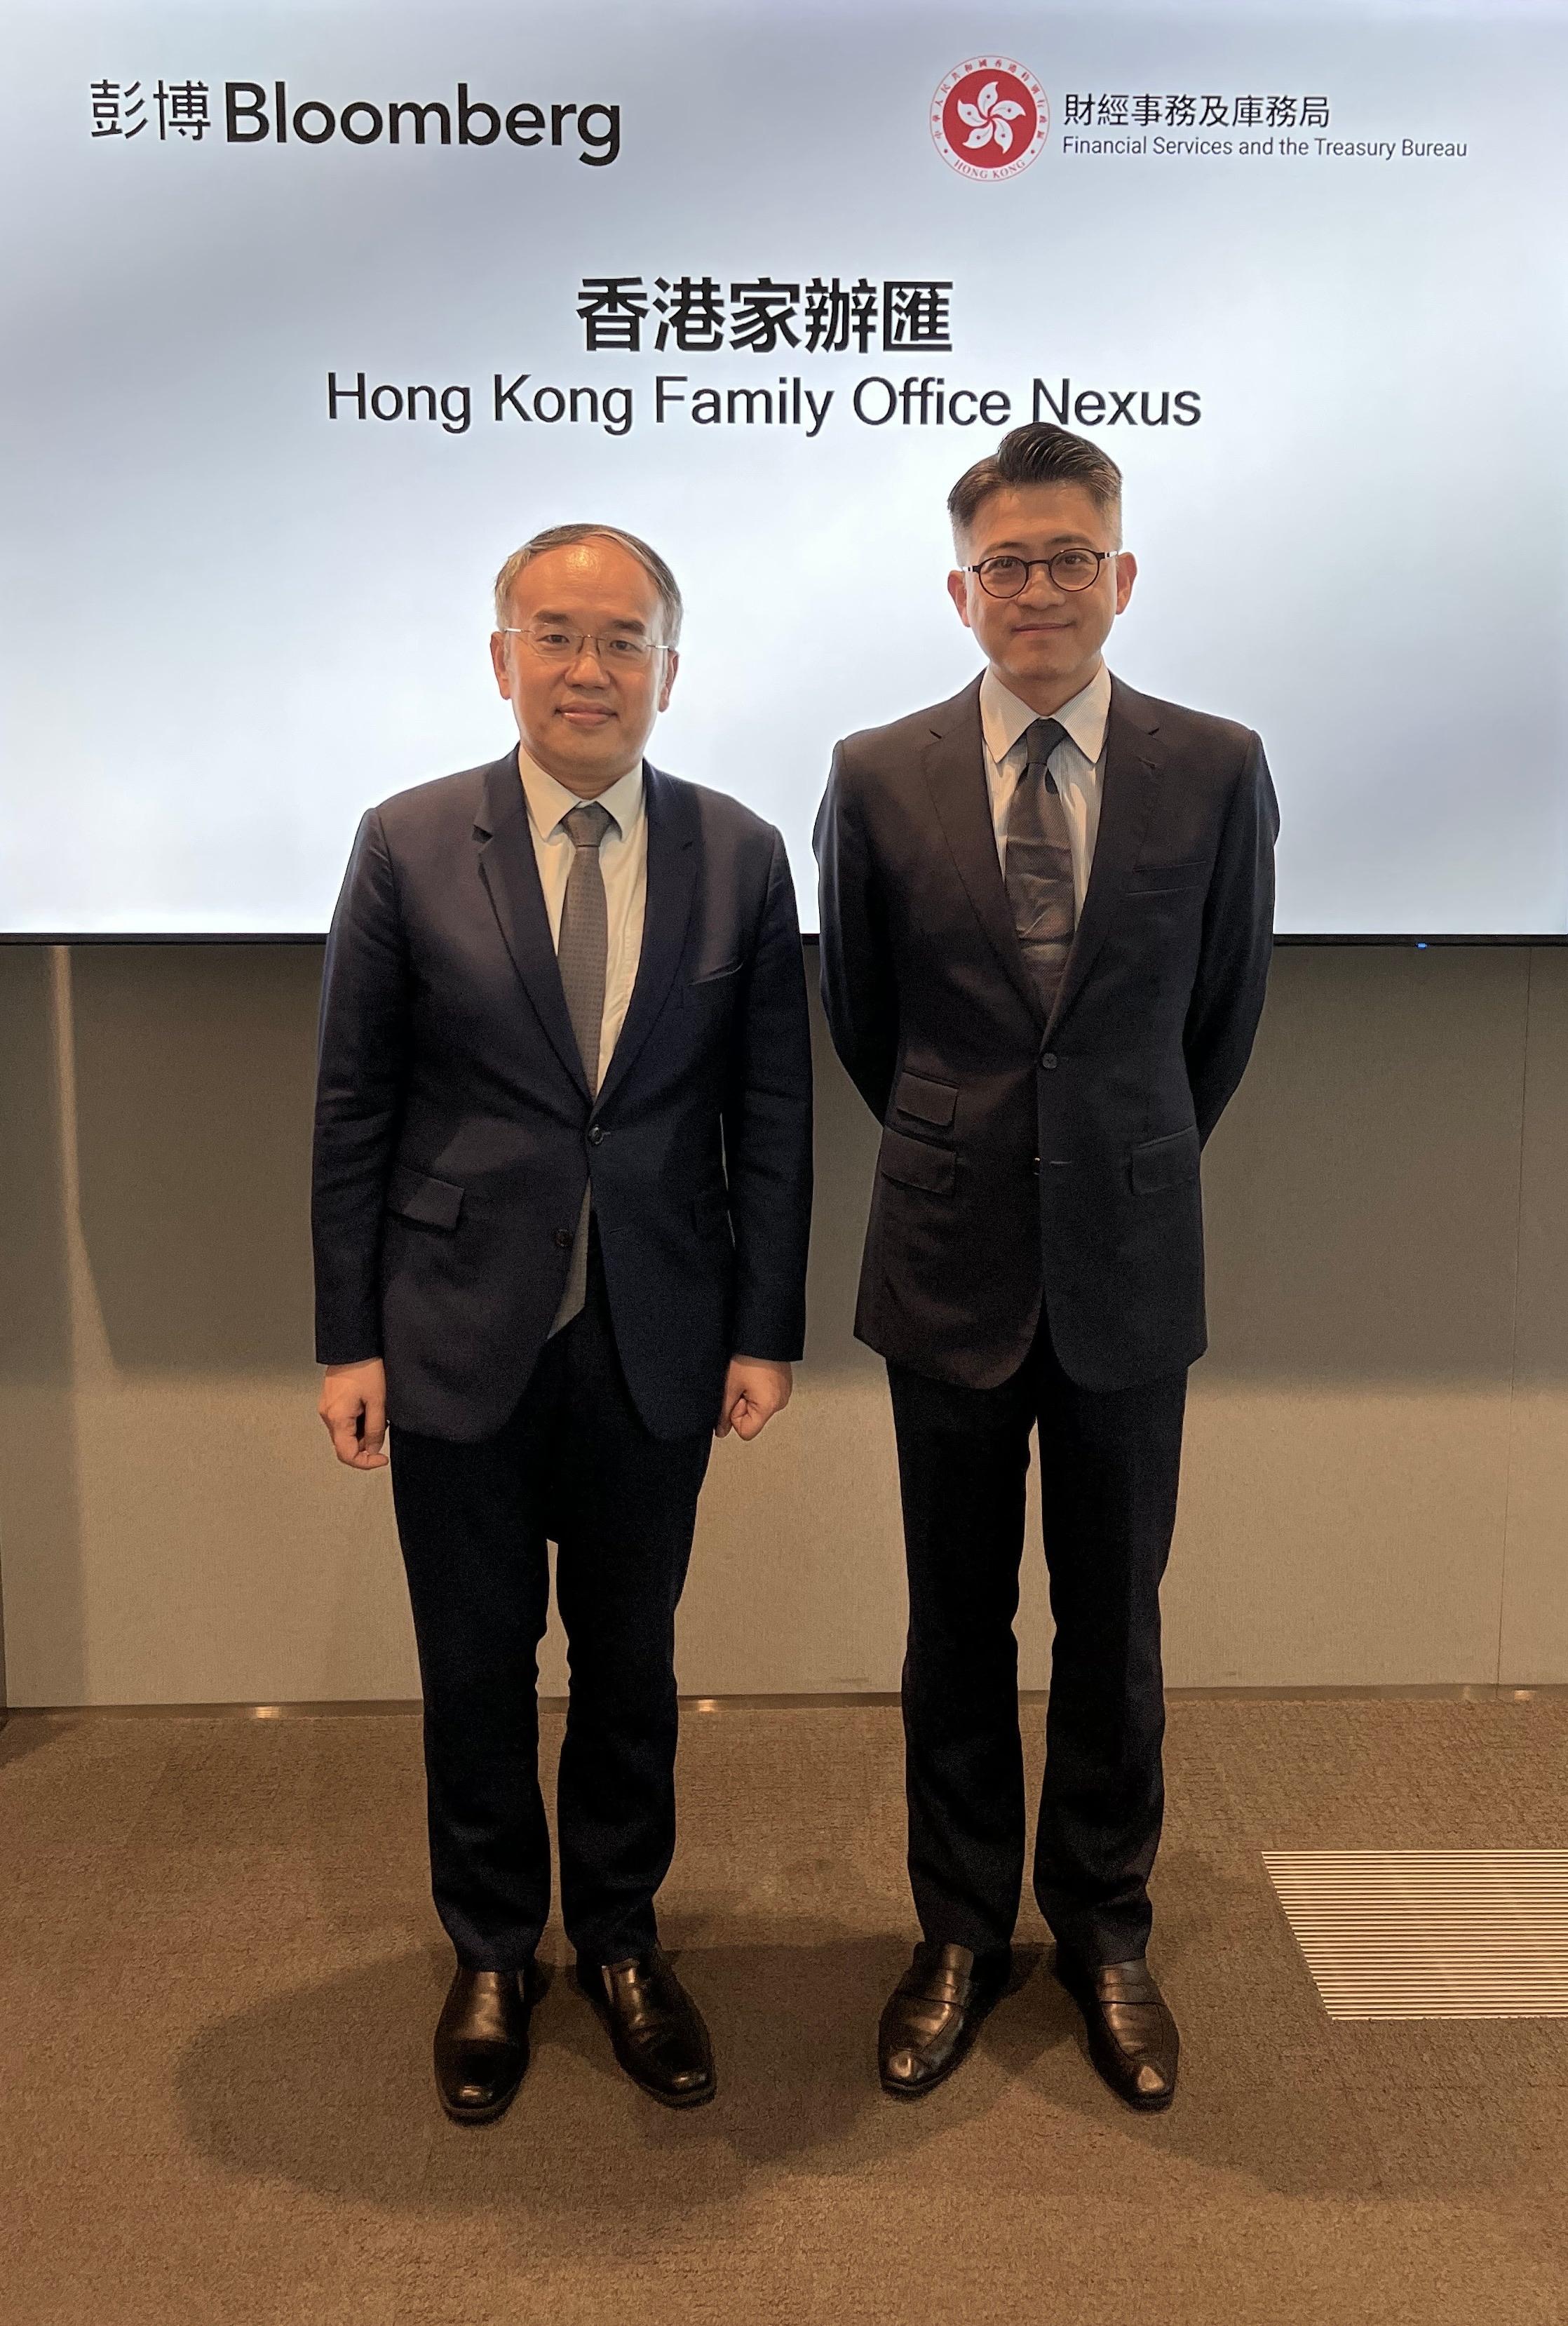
(1168, 880)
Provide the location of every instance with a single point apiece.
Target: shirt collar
(549, 801)
(1004, 718)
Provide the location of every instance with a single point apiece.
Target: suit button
(595, 1133)
(562, 1239)
(1035, 1167)
(1047, 1059)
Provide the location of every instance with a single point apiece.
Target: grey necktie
(1039, 866)
(582, 950)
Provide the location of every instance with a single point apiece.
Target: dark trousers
(1109, 1472)
(573, 1465)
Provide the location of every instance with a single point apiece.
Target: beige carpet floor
(219, 1972)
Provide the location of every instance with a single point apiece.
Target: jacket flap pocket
(928, 1101)
(915, 1163)
(433, 1202)
(1161, 1163)
(703, 974)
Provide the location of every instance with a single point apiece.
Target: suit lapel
(955, 772)
(673, 860)
(1129, 785)
(510, 872)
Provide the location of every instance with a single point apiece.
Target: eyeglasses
(1069, 569)
(554, 642)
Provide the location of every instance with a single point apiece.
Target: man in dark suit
(561, 1198)
(1047, 926)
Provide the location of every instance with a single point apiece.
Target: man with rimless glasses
(1047, 909)
(562, 1198)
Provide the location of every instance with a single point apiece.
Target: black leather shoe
(656, 2028)
(481, 2042)
(934, 2013)
(1132, 2036)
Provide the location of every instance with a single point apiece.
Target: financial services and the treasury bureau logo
(989, 118)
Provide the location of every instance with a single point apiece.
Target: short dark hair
(567, 537)
(1038, 454)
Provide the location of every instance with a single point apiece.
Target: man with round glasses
(1047, 913)
(561, 1196)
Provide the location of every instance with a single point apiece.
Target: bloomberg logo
(254, 116)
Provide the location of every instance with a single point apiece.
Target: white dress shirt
(623, 856)
(1077, 765)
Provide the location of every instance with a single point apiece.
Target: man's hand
(354, 1407)
(755, 1390)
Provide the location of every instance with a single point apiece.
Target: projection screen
(317, 310)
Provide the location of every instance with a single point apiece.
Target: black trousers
(574, 1465)
(1109, 1472)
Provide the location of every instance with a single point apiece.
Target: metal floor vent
(1430, 1933)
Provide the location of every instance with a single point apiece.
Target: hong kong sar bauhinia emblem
(989, 118)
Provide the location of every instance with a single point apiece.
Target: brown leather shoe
(481, 2042)
(934, 2013)
(1132, 2036)
(658, 2032)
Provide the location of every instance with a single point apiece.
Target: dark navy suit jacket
(455, 1129)
(1026, 1161)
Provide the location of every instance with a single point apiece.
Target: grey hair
(566, 537)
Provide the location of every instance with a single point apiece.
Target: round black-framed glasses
(1069, 569)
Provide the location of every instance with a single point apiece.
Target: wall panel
(1376, 1465)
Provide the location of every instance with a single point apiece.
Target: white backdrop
(231, 620)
